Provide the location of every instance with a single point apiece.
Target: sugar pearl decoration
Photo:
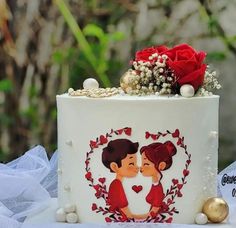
(70, 90)
(90, 83)
(68, 142)
(72, 218)
(70, 208)
(187, 90)
(216, 209)
(60, 215)
(201, 219)
(213, 134)
(67, 188)
(59, 171)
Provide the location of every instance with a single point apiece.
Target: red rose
(144, 54)
(187, 64)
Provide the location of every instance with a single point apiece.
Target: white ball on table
(70, 208)
(187, 90)
(90, 83)
(201, 219)
(72, 218)
(60, 215)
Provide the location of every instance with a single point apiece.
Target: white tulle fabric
(26, 185)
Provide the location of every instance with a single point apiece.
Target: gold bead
(128, 81)
(216, 209)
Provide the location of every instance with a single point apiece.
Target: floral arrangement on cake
(161, 70)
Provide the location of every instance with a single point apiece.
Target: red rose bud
(94, 207)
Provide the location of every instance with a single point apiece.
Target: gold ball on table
(129, 81)
(216, 209)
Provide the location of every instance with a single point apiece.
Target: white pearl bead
(213, 134)
(201, 219)
(67, 188)
(187, 90)
(60, 215)
(59, 171)
(71, 218)
(90, 83)
(70, 208)
(68, 142)
(70, 90)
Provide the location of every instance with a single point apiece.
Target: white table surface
(46, 219)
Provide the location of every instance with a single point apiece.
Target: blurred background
(48, 46)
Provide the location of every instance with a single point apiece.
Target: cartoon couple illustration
(120, 157)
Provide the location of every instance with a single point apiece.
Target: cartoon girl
(156, 157)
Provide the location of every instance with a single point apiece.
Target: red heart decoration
(128, 131)
(137, 188)
(179, 194)
(179, 186)
(147, 134)
(102, 180)
(186, 172)
(88, 175)
(93, 144)
(175, 181)
(119, 132)
(179, 141)
(154, 137)
(176, 133)
(103, 139)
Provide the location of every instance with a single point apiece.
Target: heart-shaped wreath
(165, 214)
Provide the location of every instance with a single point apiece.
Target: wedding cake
(146, 151)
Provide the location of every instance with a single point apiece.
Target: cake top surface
(141, 98)
(159, 72)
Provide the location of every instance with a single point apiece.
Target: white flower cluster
(210, 83)
(154, 76)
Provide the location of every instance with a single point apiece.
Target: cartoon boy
(120, 157)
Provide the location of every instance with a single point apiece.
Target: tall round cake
(144, 152)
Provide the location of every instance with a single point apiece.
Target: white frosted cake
(145, 152)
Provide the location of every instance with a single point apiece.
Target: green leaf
(216, 56)
(5, 85)
(117, 36)
(58, 57)
(94, 30)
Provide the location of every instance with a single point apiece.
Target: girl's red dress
(155, 195)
